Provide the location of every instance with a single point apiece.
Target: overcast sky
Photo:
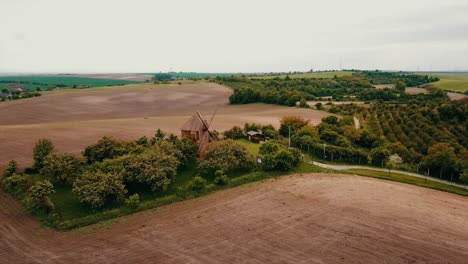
(232, 36)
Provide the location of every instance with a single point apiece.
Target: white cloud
(233, 36)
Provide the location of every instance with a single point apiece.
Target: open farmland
(456, 82)
(313, 218)
(74, 119)
(47, 82)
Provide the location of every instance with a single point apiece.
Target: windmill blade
(211, 120)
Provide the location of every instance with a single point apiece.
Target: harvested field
(140, 77)
(74, 119)
(315, 218)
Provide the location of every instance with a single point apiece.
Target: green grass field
(50, 82)
(410, 180)
(308, 75)
(457, 82)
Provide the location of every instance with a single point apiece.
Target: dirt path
(315, 218)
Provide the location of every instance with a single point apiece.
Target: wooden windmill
(198, 130)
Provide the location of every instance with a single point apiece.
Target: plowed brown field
(314, 218)
(74, 119)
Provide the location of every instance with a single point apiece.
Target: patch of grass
(253, 148)
(456, 82)
(410, 180)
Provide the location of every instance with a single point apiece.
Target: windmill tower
(198, 130)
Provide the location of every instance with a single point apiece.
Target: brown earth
(140, 77)
(314, 218)
(74, 119)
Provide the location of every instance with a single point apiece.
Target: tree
(379, 155)
(15, 184)
(393, 160)
(234, 133)
(464, 177)
(441, 157)
(38, 196)
(228, 156)
(106, 148)
(277, 157)
(220, 178)
(351, 133)
(293, 122)
(41, 150)
(303, 103)
(400, 86)
(97, 189)
(162, 77)
(62, 167)
(319, 106)
(188, 149)
(11, 168)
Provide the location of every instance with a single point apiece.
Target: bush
(41, 150)
(15, 184)
(97, 189)
(38, 197)
(293, 122)
(220, 178)
(10, 169)
(197, 184)
(62, 167)
(109, 148)
(228, 156)
(132, 201)
(234, 133)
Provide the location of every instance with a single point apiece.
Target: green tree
(106, 148)
(228, 156)
(162, 77)
(303, 103)
(132, 201)
(38, 196)
(293, 122)
(464, 177)
(97, 189)
(41, 150)
(15, 184)
(11, 168)
(319, 106)
(234, 133)
(379, 155)
(400, 86)
(441, 157)
(62, 167)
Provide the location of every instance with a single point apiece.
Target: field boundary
(357, 167)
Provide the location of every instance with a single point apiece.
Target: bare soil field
(74, 119)
(118, 76)
(313, 218)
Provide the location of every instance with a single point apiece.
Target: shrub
(293, 122)
(15, 184)
(108, 148)
(220, 178)
(132, 201)
(41, 150)
(234, 133)
(228, 156)
(97, 189)
(10, 169)
(197, 184)
(62, 167)
(38, 197)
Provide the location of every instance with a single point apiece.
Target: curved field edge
(53, 221)
(109, 216)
